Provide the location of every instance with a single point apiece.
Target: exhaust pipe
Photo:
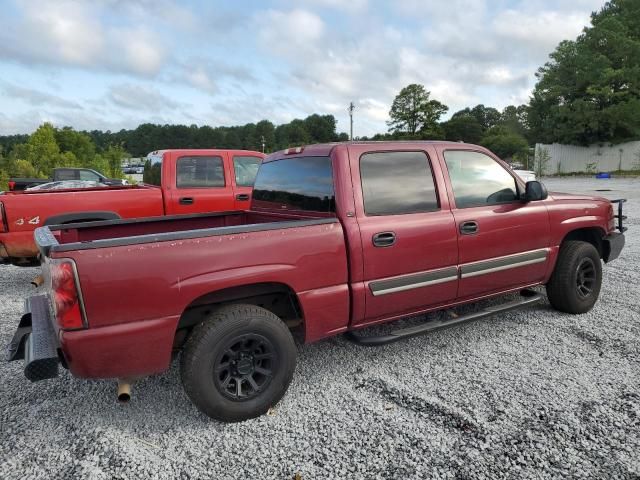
(36, 282)
(124, 390)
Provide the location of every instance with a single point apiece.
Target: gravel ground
(531, 394)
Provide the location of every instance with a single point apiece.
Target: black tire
(575, 284)
(238, 362)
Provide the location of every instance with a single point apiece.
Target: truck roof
(196, 151)
(324, 149)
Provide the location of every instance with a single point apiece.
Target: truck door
(409, 244)
(245, 169)
(202, 184)
(503, 242)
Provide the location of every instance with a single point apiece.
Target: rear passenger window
(200, 171)
(246, 169)
(478, 179)
(396, 183)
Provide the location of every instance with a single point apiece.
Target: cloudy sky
(114, 64)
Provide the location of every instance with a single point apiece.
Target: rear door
(245, 169)
(409, 243)
(503, 242)
(203, 184)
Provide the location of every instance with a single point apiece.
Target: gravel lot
(530, 394)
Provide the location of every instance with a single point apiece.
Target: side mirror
(535, 191)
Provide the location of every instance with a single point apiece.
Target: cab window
(397, 183)
(199, 171)
(478, 179)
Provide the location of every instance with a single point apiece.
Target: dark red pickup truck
(186, 181)
(338, 237)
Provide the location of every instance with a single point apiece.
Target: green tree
(589, 91)
(113, 157)
(41, 150)
(504, 143)
(413, 111)
(77, 143)
(487, 117)
(463, 128)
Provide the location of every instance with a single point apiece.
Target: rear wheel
(574, 286)
(238, 362)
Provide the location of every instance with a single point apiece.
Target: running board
(529, 297)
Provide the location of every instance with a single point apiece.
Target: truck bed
(112, 233)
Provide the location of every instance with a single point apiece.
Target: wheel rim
(585, 277)
(245, 367)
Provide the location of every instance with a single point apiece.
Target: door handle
(469, 228)
(243, 196)
(186, 201)
(384, 239)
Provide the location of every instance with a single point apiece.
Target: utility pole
(262, 140)
(351, 108)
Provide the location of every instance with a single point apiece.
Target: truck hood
(576, 197)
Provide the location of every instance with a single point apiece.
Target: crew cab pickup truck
(179, 182)
(62, 174)
(338, 237)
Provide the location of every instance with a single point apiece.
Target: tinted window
(304, 183)
(66, 174)
(478, 179)
(394, 183)
(200, 171)
(246, 169)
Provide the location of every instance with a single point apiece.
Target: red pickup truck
(186, 181)
(338, 237)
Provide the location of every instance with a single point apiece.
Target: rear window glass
(303, 183)
(200, 171)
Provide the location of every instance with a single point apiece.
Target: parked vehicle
(338, 237)
(180, 182)
(65, 174)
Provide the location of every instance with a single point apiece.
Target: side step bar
(529, 297)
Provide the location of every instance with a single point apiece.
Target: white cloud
(138, 97)
(76, 34)
(38, 98)
(294, 32)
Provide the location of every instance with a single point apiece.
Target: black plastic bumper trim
(35, 341)
(614, 243)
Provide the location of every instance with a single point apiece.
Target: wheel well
(592, 235)
(278, 298)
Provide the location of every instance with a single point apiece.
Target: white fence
(595, 158)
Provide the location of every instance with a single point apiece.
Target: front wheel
(575, 284)
(238, 362)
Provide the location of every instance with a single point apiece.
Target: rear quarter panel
(145, 282)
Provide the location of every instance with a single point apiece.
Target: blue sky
(114, 64)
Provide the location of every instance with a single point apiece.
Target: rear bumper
(613, 245)
(127, 350)
(35, 341)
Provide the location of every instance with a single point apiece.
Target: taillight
(12, 185)
(64, 291)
